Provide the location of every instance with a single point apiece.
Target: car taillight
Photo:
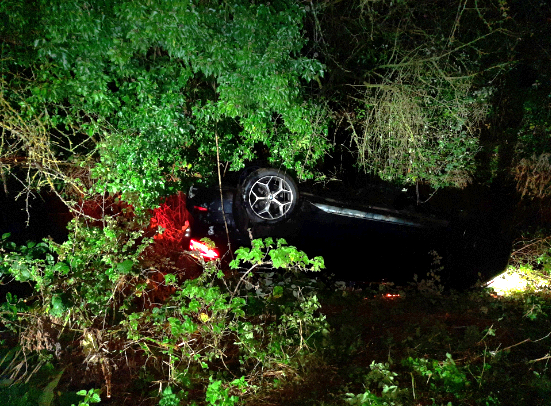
(199, 208)
(204, 250)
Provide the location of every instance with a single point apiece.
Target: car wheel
(269, 195)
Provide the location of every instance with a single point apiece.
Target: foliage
(445, 376)
(532, 155)
(218, 339)
(460, 348)
(168, 398)
(144, 95)
(532, 165)
(91, 396)
(381, 377)
(94, 284)
(141, 96)
(216, 395)
(529, 267)
(28, 379)
(534, 249)
(432, 284)
(419, 124)
(533, 176)
(413, 79)
(517, 280)
(20, 395)
(82, 277)
(157, 89)
(535, 129)
(444, 373)
(203, 310)
(281, 256)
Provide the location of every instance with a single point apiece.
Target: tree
(147, 93)
(409, 80)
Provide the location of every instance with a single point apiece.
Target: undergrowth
(406, 346)
(101, 324)
(102, 314)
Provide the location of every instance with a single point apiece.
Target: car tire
(268, 196)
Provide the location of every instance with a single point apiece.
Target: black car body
(357, 241)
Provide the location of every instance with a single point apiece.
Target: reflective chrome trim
(341, 211)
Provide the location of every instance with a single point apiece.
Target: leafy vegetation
(157, 90)
(393, 346)
(93, 296)
(142, 98)
(129, 102)
(228, 339)
(419, 94)
(532, 166)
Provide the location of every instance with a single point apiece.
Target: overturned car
(358, 241)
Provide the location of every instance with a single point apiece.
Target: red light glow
(199, 208)
(173, 216)
(204, 250)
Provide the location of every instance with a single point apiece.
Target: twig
(548, 356)
(221, 195)
(543, 338)
(514, 345)
(528, 340)
(243, 278)
(539, 240)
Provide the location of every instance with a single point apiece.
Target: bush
(196, 331)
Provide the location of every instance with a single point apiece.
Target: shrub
(95, 285)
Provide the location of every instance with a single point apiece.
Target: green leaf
(58, 308)
(277, 292)
(125, 267)
(62, 268)
(47, 396)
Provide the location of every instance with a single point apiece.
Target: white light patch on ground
(517, 280)
(507, 282)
